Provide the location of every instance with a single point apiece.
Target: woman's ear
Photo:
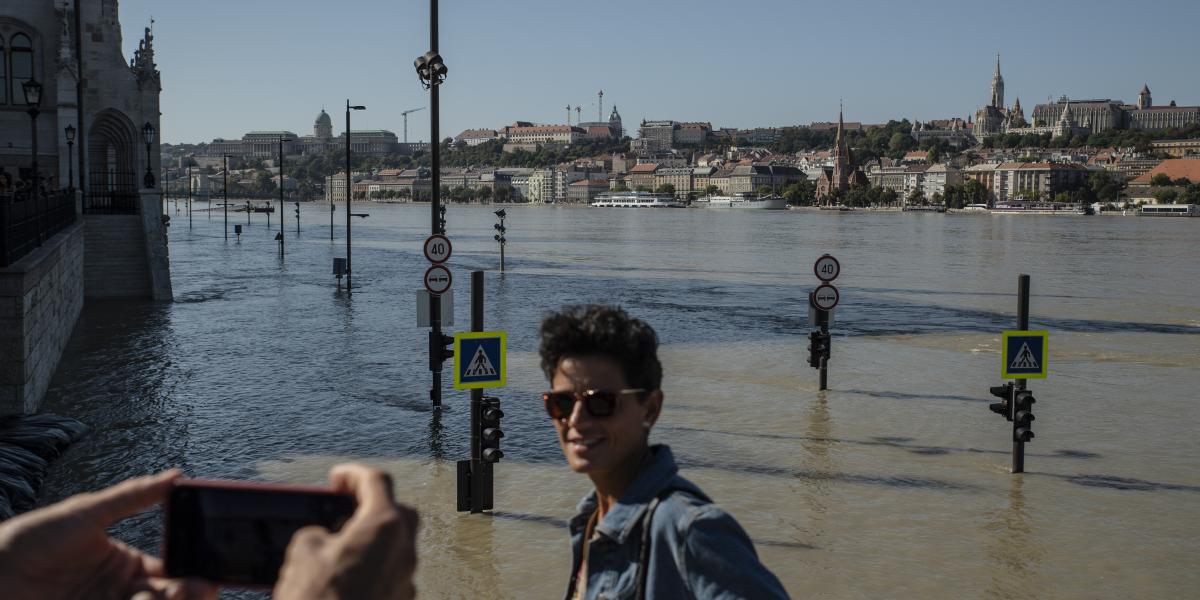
(653, 407)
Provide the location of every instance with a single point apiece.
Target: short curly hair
(599, 330)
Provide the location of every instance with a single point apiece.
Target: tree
(666, 188)
(711, 190)
(916, 197)
(1106, 186)
(975, 192)
(901, 142)
(1182, 181)
(503, 194)
(764, 190)
(1166, 196)
(935, 153)
(484, 194)
(620, 187)
(1161, 179)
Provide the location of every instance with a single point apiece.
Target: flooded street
(893, 483)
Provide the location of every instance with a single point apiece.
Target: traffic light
(1004, 406)
(439, 350)
(1023, 416)
(818, 347)
(297, 211)
(489, 430)
(499, 237)
(442, 219)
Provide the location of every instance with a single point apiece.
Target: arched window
(3, 75)
(21, 61)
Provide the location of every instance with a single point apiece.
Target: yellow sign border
(503, 366)
(1045, 335)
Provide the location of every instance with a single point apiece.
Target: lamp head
(500, 213)
(148, 133)
(33, 93)
(70, 131)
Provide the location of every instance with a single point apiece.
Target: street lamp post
(281, 209)
(70, 132)
(349, 193)
(148, 136)
(225, 190)
(33, 99)
(431, 71)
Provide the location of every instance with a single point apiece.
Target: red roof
(1174, 168)
(644, 168)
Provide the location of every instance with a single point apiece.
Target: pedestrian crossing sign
(1025, 354)
(479, 359)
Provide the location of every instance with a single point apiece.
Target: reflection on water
(893, 483)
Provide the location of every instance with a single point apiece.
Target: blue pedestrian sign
(479, 359)
(1025, 354)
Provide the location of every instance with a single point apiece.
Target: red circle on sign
(438, 280)
(825, 297)
(437, 249)
(829, 265)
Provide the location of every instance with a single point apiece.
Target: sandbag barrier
(28, 443)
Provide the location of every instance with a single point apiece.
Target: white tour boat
(744, 201)
(636, 200)
(1169, 210)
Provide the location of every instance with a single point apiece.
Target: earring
(646, 424)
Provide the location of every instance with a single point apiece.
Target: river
(893, 483)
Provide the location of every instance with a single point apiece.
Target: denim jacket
(696, 549)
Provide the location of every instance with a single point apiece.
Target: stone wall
(41, 297)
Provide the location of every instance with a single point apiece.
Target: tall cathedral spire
(997, 86)
(841, 157)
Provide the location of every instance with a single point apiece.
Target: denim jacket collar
(655, 475)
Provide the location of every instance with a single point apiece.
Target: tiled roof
(644, 168)
(1173, 168)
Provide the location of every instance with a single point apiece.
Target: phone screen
(238, 534)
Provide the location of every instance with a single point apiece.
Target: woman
(644, 531)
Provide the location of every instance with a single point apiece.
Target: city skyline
(888, 67)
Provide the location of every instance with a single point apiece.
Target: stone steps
(114, 260)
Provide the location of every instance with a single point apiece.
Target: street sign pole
(481, 473)
(1018, 450)
(823, 322)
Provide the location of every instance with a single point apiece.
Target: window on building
(3, 75)
(21, 61)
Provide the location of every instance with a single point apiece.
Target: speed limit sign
(827, 268)
(437, 249)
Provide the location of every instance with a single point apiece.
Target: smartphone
(236, 533)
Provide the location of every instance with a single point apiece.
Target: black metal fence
(112, 193)
(27, 222)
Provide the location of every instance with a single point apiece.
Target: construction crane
(405, 115)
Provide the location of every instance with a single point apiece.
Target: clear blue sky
(233, 66)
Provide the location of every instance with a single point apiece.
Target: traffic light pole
(823, 322)
(481, 472)
(435, 302)
(1018, 450)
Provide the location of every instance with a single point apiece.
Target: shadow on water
(1114, 482)
(904, 396)
(901, 443)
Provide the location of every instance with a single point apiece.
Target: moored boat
(636, 200)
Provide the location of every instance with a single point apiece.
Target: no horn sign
(1025, 354)
(479, 359)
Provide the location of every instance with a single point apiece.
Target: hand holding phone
(373, 556)
(351, 541)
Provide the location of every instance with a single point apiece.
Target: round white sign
(437, 249)
(437, 280)
(825, 297)
(827, 268)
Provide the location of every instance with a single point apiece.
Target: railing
(25, 222)
(112, 193)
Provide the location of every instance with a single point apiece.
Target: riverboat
(1169, 210)
(980, 208)
(744, 201)
(1039, 208)
(921, 208)
(636, 200)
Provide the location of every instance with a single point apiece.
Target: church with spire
(843, 175)
(995, 118)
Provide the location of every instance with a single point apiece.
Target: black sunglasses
(598, 403)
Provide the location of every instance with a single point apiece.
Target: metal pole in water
(1018, 450)
(823, 321)
(477, 472)
(225, 193)
(435, 302)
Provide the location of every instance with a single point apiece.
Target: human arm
(63, 550)
(372, 557)
(719, 560)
